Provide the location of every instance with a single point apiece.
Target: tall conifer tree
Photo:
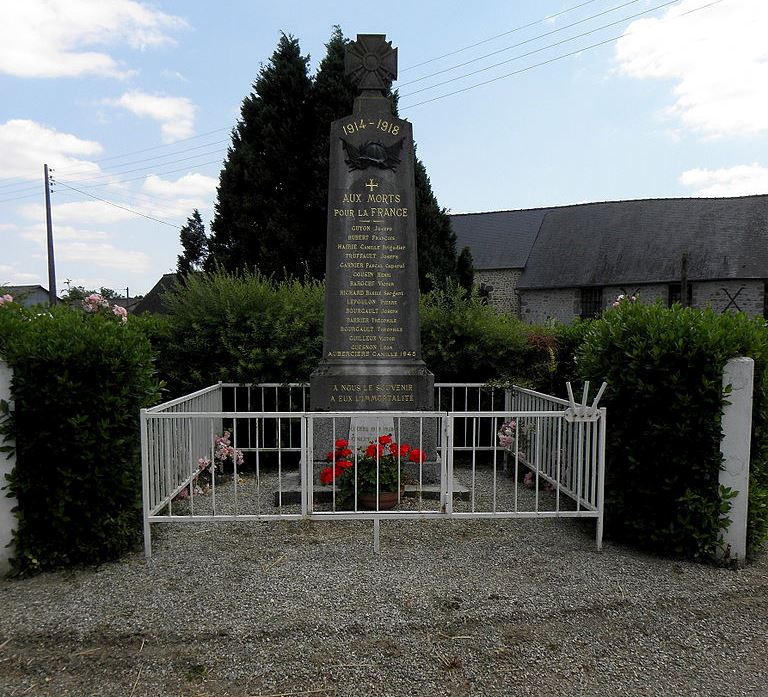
(194, 244)
(273, 190)
(263, 213)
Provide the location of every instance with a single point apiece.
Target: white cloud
(63, 232)
(49, 38)
(177, 199)
(742, 180)
(79, 213)
(175, 114)
(193, 185)
(103, 254)
(25, 145)
(717, 59)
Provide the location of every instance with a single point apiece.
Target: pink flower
(7, 298)
(120, 312)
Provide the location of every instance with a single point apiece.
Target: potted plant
(376, 470)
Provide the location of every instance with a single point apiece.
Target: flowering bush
(223, 454)
(624, 299)
(95, 302)
(512, 433)
(379, 462)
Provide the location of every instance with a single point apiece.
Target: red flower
(343, 464)
(345, 452)
(417, 456)
(404, 449)
(371, 450)
(384, 440)
(341, 443)
(326, 476)
(328, 457)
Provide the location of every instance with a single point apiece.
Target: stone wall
(504, 281)
(563, 305)
(745, 296)
(560, 304)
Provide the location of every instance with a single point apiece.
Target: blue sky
(132, 102)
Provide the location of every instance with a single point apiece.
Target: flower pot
(387, 500)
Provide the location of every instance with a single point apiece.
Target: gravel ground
(476, 607)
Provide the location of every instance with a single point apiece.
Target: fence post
(735, 448)
(7, 518)
(145, 499)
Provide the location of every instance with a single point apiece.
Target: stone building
(500, 243)
(582, 257)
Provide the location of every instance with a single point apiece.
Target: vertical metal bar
(145, 484)
(421, 463)
(558, 464)
(279, 468)
(595, 428)
(448, 483)
(192, 467)
(518, 421)
(307, 458)
(234, 457)
(494, 430)
(357, 455)
(399, 457)
(537, 462)
(601, 482)
(580, 463)
(213, 467)
(168, 461)
(333, 465)
(259, 432)
(474, 461)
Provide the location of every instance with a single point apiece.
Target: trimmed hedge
(239, 328)
(79, 381)
(664, 398)
(463, 340)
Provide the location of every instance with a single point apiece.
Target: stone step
(291, 491)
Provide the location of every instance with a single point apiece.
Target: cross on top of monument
(371, 62)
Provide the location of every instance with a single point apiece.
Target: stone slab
(291, 492)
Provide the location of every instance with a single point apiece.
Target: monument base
(340, 386)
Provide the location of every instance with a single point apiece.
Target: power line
(169, 145)
(522, 43)
(546, 62)
(110, 175)
(108, 171)
(124, 208)
(498, 36)
(170, 171)
(539, 50)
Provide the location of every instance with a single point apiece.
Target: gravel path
(513, 607)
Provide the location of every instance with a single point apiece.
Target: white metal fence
(256, 452)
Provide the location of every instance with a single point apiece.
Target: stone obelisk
(371, 345)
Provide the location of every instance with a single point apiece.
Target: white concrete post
(7, 518)
(735, 447)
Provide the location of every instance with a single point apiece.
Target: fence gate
(256, 452)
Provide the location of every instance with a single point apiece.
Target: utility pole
(49, 226)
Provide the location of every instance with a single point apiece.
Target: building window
(673, 294)
(591, 302)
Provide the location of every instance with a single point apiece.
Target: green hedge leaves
(79, 381)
